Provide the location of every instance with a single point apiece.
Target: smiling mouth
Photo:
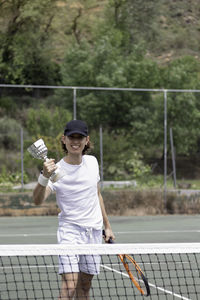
(75, 147)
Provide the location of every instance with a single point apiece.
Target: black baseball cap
(76, 126)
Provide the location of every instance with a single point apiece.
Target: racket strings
(136, 274)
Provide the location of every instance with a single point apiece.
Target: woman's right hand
(49, 167)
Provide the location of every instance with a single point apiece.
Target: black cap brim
(74, 132)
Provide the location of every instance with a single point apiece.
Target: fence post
(165, 149)
(173, 156)
(74, 103)
(22, 158)
(101, 154)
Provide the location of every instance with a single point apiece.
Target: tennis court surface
(173, 270)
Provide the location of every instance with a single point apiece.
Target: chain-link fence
(157, 127)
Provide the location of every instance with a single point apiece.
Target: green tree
(120, 161)
(181, 73)
(184, 119)
(104, 64)
(183, 108)
(46, 122)
(135, 19)
(25, 55)
(10, 133)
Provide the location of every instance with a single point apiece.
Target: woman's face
(75, 143)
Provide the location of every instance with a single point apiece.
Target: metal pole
(101, 154)
(165, 148)
(22, 158)
(173, 156)
(29, 86)
(74, 104)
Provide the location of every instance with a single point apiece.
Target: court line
(116, 232)
(150, 284)
(26, 234)
(158, 231)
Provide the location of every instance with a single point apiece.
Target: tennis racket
(134, 271)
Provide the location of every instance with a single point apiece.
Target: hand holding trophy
(39, 150)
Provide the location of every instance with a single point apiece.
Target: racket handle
(110, 241)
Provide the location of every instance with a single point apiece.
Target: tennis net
(31, 271)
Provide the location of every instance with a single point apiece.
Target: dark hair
(86, 150)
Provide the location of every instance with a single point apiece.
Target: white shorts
(74, 234)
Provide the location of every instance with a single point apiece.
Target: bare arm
(108, 231)
(41, 192)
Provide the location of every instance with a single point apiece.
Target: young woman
(82, 208)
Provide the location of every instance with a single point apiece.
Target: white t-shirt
(77, 194)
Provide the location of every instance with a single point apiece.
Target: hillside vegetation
(114, 43)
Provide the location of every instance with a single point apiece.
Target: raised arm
(42, 191)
